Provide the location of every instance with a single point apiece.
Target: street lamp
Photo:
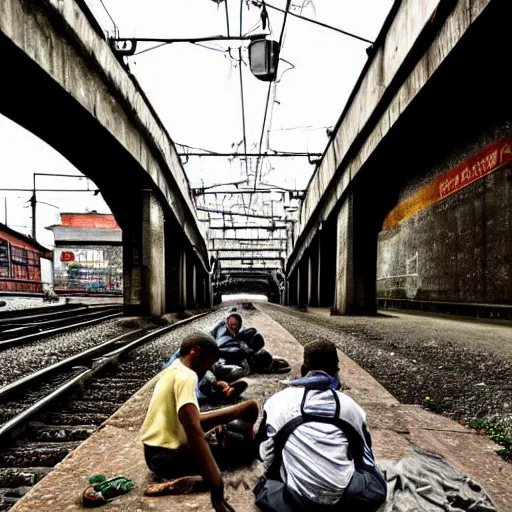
(264, 58)
(33, 200)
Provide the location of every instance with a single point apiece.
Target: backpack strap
(355, 441)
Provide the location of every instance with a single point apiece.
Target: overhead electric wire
(111, 19)
(288, 2)
(303, 18)
(244, 132)
(196, 148)
(242, 90)
(211, 48)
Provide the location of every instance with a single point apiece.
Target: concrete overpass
(412, 199)
(62, 82)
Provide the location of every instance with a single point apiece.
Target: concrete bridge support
(183, 278)
(313, 276)
(144, 259)
(356, 257)
(292, 288)
(173, 275)
(303, 282)
(153, 254)
(204, 291)
(191, 284)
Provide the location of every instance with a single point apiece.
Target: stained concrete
(458, 249)
(395, 429)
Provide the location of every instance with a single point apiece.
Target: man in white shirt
(315, 445)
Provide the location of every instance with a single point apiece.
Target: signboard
(67, 256)
(492, 157)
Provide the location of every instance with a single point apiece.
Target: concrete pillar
(313, 276)
(356, 258)
(326, 268)
(192, 286)
(292, 288)
(153, 253)
(132, 266)
(298, 287)
(183, 279)
(173, 279)
(319, 270)
(144, 258)
(303, 280)
(208, 291)
(204, 292)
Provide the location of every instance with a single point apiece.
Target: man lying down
(242, 353)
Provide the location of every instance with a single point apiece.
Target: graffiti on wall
(488, 160)
(90, 270)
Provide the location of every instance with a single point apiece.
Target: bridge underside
(62, 83)
(454, 247)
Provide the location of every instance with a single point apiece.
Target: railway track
(32, 326)
(47, 414)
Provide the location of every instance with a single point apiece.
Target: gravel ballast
(20, 361)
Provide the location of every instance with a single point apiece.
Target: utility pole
(5, 209)
(33, 203)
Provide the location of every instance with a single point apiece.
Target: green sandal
(102, 491)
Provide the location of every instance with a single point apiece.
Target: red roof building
(88, 256)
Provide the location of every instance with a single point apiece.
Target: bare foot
(183, 485)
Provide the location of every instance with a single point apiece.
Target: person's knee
(250, 411)
(257, 342)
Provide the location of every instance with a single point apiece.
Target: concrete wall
(412, 46)
(460, 247)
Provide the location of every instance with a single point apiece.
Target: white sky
(196, 93)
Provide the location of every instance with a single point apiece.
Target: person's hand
(219, 503)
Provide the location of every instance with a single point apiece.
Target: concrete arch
(62, 82)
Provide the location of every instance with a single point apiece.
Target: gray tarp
(425, 482)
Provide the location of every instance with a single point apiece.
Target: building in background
(20, 263)
(88, 255)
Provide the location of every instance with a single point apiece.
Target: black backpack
(272, 495)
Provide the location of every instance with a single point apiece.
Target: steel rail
(25, 415)
(41, 320)
(16, 423)
(19, 320)
(7, 332)
(23, 381)
(22, 340)
(20, 313)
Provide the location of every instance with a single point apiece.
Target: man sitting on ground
(315, 445)
(244, 348)
(173, 432)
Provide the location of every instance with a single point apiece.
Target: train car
(20, 263)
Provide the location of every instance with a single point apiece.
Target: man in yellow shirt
(174, 430)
